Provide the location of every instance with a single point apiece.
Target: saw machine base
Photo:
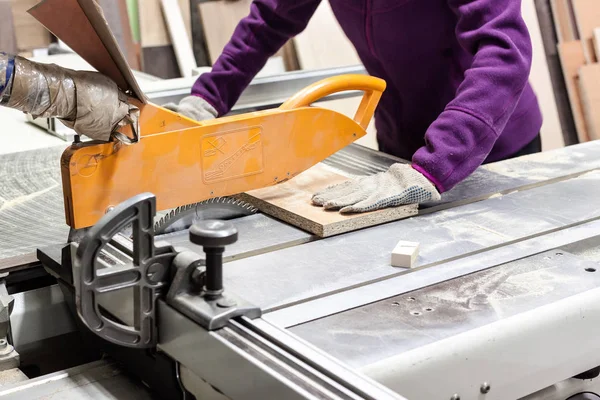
(503, 300)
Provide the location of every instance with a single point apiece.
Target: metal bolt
(109, 209)
(199, 277)
(455, 396)
(485, 388)
(226, 302)
(156, 273)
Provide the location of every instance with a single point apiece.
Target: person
(457, 90)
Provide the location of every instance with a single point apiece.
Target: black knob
(213, 236)
(213, 233)
(584, 396)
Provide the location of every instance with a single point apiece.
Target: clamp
(156, 270)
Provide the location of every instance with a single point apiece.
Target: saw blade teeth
(237, 208)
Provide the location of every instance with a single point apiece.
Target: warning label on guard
(231, 155)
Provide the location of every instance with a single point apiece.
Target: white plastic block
(405, 254)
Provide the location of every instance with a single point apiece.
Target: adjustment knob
(213, 236)
(213, 233)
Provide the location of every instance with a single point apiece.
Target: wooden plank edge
(572, 87)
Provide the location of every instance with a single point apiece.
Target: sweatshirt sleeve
(460, 139)
(270, 24)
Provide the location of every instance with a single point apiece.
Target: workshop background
(565, 72)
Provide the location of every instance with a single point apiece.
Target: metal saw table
(503, 304)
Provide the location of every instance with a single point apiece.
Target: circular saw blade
(183, 217)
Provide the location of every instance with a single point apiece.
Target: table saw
(503, 302)
(130, 268)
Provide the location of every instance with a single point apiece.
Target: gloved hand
(88, 102)
(399, 185)
(193, 107)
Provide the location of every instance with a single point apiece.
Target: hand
(193, 107)
(399, 185)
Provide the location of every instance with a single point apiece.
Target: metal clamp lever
(199, 294)
(147, 274)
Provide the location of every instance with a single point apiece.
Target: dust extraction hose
(88, 102)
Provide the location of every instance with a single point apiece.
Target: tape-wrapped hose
(7, 67)
(88, 102)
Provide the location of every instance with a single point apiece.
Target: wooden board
(8, 41)
(180, 37)
(315, 53)
(587, 17)
(589, 87)
(29, 33)
(115, 12)
(153, 29)
(291, 203)
(198, 36)
(561, 13)
(160, 61)
(82, 26)
(219, 20)
(597, 40)
(572, 58)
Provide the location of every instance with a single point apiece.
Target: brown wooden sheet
(82, 26)
(291, 203)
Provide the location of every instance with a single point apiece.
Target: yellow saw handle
(373, 88)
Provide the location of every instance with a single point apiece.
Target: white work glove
(399, 185)
(193, 107)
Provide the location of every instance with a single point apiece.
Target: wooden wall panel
(323, 44)
(153, 29)
(587, 16)
(29, 33)
(8, 41)
(219, 20)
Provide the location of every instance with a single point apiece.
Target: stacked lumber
(578, 30)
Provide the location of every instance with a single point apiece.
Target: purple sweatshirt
(456, 71)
